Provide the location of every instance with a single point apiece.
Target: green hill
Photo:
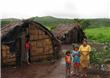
(8, 21)
(99, 23)
(51, 22)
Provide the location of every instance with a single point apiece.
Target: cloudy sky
(58, 8)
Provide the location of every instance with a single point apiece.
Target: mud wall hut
(69, 33)
(43, 44)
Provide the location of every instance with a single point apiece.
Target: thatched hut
(43, 44)
(69, 33)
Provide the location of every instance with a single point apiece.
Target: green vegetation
(8, 21)
(99, 34)
(95, 23)
(100, 57)
(51, 22)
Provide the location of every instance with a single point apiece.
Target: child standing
(27, 46)
(76, 60)
(68, 63)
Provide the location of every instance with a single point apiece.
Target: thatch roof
(8, 27)
(9, 32)
(65, 28)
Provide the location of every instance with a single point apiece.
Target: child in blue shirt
(76, 59)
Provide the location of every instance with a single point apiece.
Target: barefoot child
(68, 63)
(27, 45)
(76, 60)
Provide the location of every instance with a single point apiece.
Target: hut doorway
(18, 52)
(25, 54)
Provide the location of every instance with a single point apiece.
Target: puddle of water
(63, 61)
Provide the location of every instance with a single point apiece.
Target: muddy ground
(47, 70)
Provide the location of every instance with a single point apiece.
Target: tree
(83, 22)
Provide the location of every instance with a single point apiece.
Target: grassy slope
(8, 21)
(99, 23)
(99, 34)
(52, 22)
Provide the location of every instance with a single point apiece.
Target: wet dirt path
(56, 70)
(46, 70)
(36, 71)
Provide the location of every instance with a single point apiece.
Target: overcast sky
(58, 8)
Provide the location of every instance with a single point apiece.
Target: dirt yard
(46, 70)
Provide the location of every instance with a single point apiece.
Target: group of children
(78, 58)
(73, 57)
